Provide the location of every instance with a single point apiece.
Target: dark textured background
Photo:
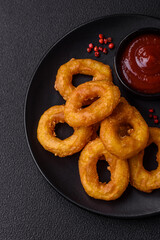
(29, 207)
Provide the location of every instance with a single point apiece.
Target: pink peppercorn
(111, 45)
(91, 45)
(101, 41)
(89, 50)
(151, 110)
(95, 48)
(101, 36)
(97, 54)
(100, 48)
(105, 41)
(109, 39)
(105, 50)
(156, 121)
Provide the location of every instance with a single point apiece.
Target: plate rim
(132, 216)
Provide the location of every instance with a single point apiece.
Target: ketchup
(140, 64)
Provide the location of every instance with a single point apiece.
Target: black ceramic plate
(62, 173)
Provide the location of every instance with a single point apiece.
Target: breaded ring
(48, 139)
(63, 82)
(140, 178)
(89, 176)
(124, 133)
(109, 96)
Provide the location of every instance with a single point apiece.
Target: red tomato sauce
(140, 64)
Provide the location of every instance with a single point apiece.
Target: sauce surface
(140, 64)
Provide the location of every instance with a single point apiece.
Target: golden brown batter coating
(108, 98)
(119, 169)
(140, 178)
(124, 133)
(48, 139)
(63, 82)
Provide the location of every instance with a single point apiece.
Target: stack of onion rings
(123, 132)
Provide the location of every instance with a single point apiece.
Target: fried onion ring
(48, 139)
(109, 97)
(89, 176)
(140, 178)
(63, 82)
(124, 133)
